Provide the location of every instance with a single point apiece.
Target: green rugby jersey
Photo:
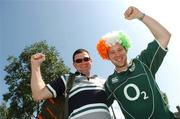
(136, 90)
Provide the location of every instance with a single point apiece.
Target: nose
(117, 53)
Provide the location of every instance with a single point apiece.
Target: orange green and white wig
(111, 39)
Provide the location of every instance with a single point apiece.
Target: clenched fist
(37, 59)
(133, 13)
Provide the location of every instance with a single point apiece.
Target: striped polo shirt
(87, 98)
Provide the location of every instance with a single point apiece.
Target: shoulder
(112, 75)
(100, 79)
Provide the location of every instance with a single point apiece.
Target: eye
(119, 50)
(112, 52)
(86, 59)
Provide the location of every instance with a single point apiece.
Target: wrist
(141, 17)
(35, 67)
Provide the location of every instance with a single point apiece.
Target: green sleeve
(153, 56)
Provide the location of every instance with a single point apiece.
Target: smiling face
(82, 63)
(118, 56)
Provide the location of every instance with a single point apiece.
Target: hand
(132, 13)
(37, 59)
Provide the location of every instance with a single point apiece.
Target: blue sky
(72, 24)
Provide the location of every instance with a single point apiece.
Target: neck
(121, 68)
(87, 74)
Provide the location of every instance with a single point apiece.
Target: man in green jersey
(133, 82)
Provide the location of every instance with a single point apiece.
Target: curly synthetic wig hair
(111, 39)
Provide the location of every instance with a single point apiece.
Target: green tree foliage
(19, 74)
(3, 110)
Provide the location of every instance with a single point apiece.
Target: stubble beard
(121, 66)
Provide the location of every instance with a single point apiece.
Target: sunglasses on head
(85, 59)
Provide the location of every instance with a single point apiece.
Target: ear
(91, 60)
(108, 55)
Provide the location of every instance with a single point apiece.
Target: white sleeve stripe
(64, 81)
(165, 49)
(52, 90)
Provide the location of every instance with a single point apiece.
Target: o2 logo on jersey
(138, 92)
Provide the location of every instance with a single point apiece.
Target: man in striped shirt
(87, 98)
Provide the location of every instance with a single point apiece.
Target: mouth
(85, 66)
(119, 59)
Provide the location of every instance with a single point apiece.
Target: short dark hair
(79, 51)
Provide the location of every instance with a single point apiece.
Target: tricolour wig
(111, 39)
